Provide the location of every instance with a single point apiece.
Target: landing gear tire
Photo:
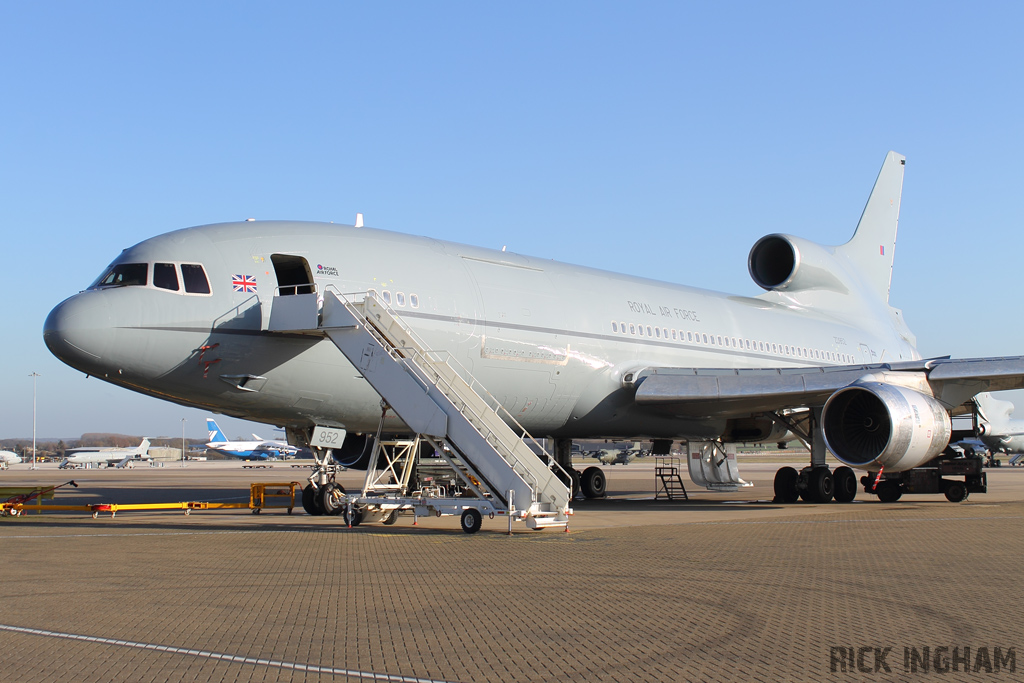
(956, 492)
(845, 483)
(593, 483)
(471, 520)
(353, 519)
(889, 491)
(332, 498)
(820, 485)
(390, 518)
(309, 501)
(785, 486)
(573, 481)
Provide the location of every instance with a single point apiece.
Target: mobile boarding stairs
(442, 404)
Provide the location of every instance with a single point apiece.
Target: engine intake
(772, 261)
(872, 425)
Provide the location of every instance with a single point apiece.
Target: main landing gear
(815, 485)
(591, 482)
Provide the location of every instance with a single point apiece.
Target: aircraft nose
(79, 330)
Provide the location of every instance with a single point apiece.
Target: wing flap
(1008, 372)
(956, 381)
(725, 392)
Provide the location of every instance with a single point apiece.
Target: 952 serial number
(327, 437)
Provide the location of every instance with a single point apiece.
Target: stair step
(534, 522)
(454, 406)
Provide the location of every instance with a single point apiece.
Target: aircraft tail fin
(144, 447)
(873, 243)
(215, 433)
(993, 411)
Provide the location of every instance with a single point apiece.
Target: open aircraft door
(295, 304)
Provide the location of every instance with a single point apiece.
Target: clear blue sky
(660, 139)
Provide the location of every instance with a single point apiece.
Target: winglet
(873, 243)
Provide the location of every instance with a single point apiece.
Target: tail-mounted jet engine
(792, 264)
(874, 425)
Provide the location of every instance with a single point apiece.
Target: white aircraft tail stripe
(873, 244)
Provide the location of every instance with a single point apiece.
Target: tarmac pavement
(725, 587)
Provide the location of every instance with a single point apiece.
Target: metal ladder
(670, 483)
(442, 402)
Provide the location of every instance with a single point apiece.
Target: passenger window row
(399, 299)
(705, 339)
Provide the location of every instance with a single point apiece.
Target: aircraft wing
(730, 392)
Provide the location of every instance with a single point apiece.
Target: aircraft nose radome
(78, 331)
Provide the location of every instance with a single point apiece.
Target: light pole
(33, 376)
(182, 442)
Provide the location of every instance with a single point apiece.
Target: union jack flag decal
(243, 283)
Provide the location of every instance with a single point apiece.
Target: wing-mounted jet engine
(877, 426)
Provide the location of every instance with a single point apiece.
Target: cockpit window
(125, 275)
(165, 276)
(194, 278)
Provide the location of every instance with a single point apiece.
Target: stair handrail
(431, 357)
(478, 421)
(420, 370)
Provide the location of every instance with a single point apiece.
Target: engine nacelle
(790, 264)
(872, 424)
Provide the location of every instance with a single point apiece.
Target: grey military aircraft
(571, 352)
(997, 429)
(109, 456)
(616, 456)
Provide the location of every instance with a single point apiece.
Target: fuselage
(251, 450)
(550, 341)
(999, 431)
(10, 457)
(102, 456)
(1006, 444)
